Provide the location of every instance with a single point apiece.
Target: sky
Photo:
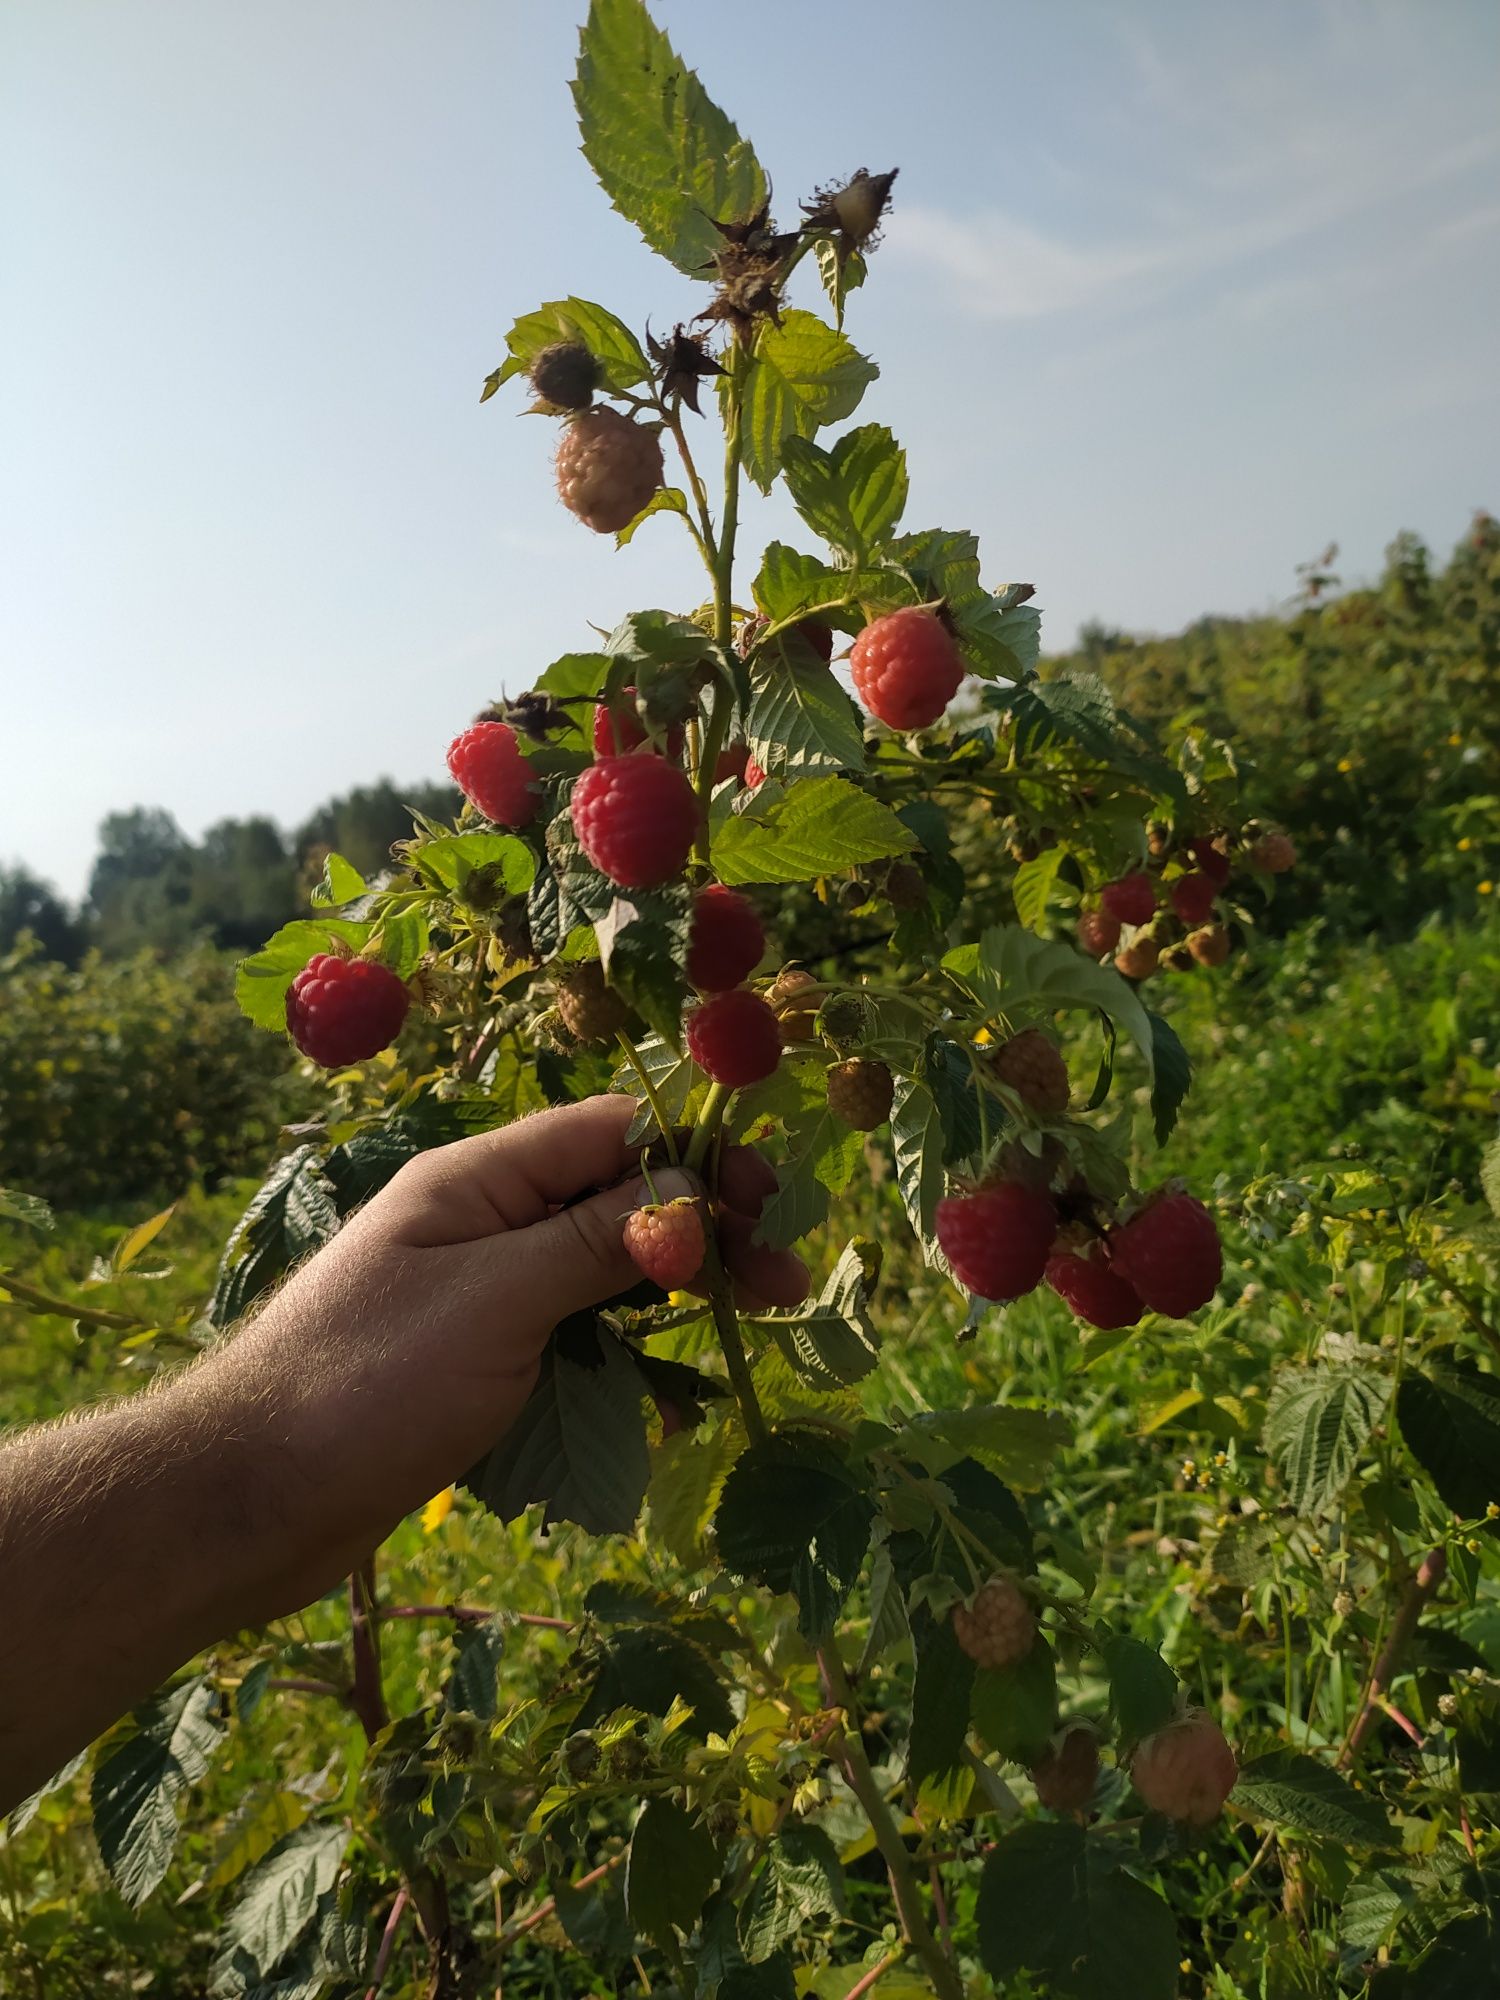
(1173, 295)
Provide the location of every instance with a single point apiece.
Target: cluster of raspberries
(1129, 916)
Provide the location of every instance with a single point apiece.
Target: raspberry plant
(866, 939)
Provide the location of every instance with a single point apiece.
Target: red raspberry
(906, 668)
(1169, 1250)
(607, 469)
(1131, 900)
(618, 729)
(1272, 854)
(860, 1092)
(732, 763)
(490, 771)
(343, 1010)
(734, 1038)
(1186, 1770)
(1210, 946)
(665, 1241)
(997, 1626)
(727, 940)
(1067, 1772)
(997, 1239)
(1098, 932)
(591, 1010)
(1098, 1295)
(754, 775)
(1193, 898)
(1139, 958)
(1209, 860)
(818, 635)
(1032, 1066)
(636, 818)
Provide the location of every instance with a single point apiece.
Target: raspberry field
(1092, 1590)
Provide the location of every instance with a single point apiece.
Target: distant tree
(363, 824)
(244, 882)
(29, 904)
(141, 889)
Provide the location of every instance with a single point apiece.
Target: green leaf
(262, 979)
(403, 941)
(451, 861)
(1489, 1175)
(1016, 1444)
(665, 500)
(802, 374)
(794, 585)
(823, 1156)
(801, 1879)
(1172, 1075)
(651, 1669)
(939, 1702)
(1089, 1931)
(341, 882)
(1449, 1412)
(998, 634)
(1015, 1708)
(1009, 970)
(1079, 709)
(1375, 1905)
(280, 1904)
(252, 1830)
(687, 1476)
(852, 494)
(135, 1789)
(1318, 1421)
(889, 1626)
(1031, 888)
(579, 1444)
(801, 724)
(576, 322)
(648, 641)
(1142, 1687)
(820, 826)
(1289, 1788)
(832, 1342)
(669, 1870)
(664, 153)
(29, 1209)
(920, 1146)
(795, 1517)
(477, 1650)
(947, 1070)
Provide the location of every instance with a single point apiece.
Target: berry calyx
(1186, 1770)
(997, 1239)
(344, 1010)
(1032, 1066)
(566, 375)
(997, 1627)
(665, 1241)
(591, 1010)
(795, 998)
(906, 668)
(860, 1092)
(607, 469)
(1098, 932)
(1139, 958)
(492, 774)
(1209, 946)
(734, 1038)
(1067, 1772)
(1170, 1252)
(1193, 897)
(618, 729)
(636, 818)
(1087, 1282)
(1272, 854)
(727, 940)
(1131, 900)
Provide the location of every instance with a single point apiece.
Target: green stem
(44, 1302)
(669, 1137)
(861, 1781)
(710, 1119)
(720, 1284)
(705, 531)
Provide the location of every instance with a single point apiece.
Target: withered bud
(535, 715)
(682, 361)
(855, 209)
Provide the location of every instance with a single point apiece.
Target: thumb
(577, 1257)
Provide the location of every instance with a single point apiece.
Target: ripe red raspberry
(1272, 854)
(1209, 860)
(860, 1092)
(906, 668)
(665, 1241)
(490, 771)
(734, 1038)
(1139, 958)
(1186, 1770)
(1098, 932)
(343, 1010)
(619, 729)
(732, 763)
(1098, 1295)
(997, 1626)
(727, 940)
(1169, 1250)
(754, 775)
(1067, 1772)
(591, 1010)
(1193, 898)
(1131, 900)
(1032, 1066)
(607, 469)
(796, 997)
(818, 635)
(997, 1239)
(636, 818)
(1210, 946)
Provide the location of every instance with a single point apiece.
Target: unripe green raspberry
(998, 1626)
(860, 1092)
(565, 375)
(591, 1010)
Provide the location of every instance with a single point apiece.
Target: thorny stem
(472, 1614)
(663, 1123)
(855, 1765)
(366, 1697)
(706, 543)
(387, 1942)
(544, 1910)
(867, 1980)
(1422, 1587)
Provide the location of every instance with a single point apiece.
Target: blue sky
(1173, 295)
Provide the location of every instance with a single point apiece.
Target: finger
(577, 1257)
(772, 1277)
(512, 1178)
(746, 1180)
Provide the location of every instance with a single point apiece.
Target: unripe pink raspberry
(997, 1626)
(607, 468)
(1186, 1770)
(1098, 932)
(1272, 854)
(1131, 900)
